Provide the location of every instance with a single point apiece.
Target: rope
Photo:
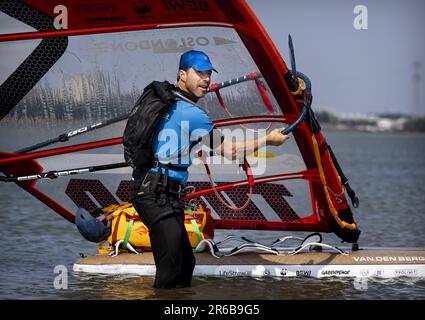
(262, 91)
(300, 88)
(217, 194)
(253, 246)
(342, 224)
(230, 115)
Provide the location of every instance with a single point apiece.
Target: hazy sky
(352, 70)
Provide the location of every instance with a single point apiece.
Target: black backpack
(155, 101)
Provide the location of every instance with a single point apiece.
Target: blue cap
(197, 60)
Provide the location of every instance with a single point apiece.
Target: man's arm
(237, 150)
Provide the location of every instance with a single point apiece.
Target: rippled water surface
(386, 170)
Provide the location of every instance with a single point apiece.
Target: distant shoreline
(370, 123)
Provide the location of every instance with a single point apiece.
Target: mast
(417, 108)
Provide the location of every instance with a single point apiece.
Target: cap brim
(205, 69)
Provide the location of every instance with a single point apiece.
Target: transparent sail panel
(99, 77)
(9, 25)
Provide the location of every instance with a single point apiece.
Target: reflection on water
(387, 172)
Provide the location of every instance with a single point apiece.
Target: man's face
(195, 82)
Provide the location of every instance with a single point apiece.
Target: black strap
(187, 95)
(158, 164)
(162, 183)
(160, 179)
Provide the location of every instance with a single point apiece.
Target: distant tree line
(327, 117)
(415, 124)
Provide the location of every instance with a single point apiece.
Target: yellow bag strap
(114, 211)
(117, 210)
(342, 224)
(104, 250)
(130, 212)
(127, 234)
(196, 229)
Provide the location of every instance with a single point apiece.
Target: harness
(161, 181)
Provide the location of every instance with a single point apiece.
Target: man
(156, 193)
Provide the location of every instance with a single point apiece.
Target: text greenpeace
(182, 146)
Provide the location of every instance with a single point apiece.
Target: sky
(352, 71)
(364, 71)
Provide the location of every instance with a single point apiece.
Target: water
(386, 170)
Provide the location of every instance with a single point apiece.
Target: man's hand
(238, 150)
(276, 138)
